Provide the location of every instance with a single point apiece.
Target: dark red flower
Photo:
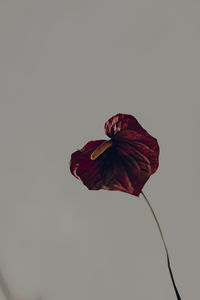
(123, 163)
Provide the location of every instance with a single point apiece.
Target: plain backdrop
(65, 68)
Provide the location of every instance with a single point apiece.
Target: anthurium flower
(123, 163)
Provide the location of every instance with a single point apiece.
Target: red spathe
(126, 165)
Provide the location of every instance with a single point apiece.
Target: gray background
(65, 68)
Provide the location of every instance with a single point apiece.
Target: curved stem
(165, 246)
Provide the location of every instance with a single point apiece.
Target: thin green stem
(165, 246)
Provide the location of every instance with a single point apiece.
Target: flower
(123, 163)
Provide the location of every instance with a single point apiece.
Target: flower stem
(165, 246)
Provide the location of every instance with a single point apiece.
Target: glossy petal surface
(121, 122)
(85, 169)
(126, 165)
